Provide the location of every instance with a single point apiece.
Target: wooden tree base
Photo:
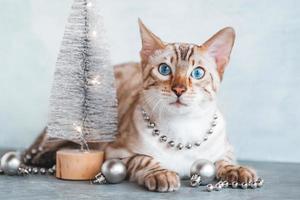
(73, 164)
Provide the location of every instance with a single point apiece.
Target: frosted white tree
(83, 105)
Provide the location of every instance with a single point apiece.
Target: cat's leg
(42, 152)
(147, 172)
(230, 171)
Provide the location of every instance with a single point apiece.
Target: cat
(173, 90)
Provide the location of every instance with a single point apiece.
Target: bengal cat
(174, 86)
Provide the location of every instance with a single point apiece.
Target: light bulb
(77, 128)
(94, 33)
(95, 81)
(89, 4)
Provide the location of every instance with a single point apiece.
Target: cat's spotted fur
(183, 117)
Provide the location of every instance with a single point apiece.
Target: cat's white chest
(184, 131)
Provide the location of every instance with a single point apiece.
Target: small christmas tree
(83, 105)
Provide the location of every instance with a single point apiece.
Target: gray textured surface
(282, 181)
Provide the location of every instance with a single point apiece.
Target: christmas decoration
(224, 184)
(10, 163)
(174, 144)
(202, 172)
(83, 105)
(83, 100)
(114, 170)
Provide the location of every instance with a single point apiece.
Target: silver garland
(83, 106)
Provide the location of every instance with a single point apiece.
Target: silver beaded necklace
(178, 145)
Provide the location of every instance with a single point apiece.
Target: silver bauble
(205, 169)
(114, 170)
(10, 163)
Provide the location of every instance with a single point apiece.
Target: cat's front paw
(162, 181)
(235, 173)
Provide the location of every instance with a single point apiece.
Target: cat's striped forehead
(183, 51)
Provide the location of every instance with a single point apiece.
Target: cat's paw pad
(240, 174)
(164, 181)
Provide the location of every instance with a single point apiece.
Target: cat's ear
(150, 42)
(219, 46)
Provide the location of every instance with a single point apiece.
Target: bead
(214, 123)
(171, 143)
(180, 146)
(198, 143)
(210, 131)
(188, 146)
(43, 171)
(260, 182)
(218, 187)
(144, 112)
(151, 125)
(234, 184)
(221, 183)
(225, 184)
(40, 148)
(35, 170)
(163, 138)
(28, 157)
(29, 169)
(146, 117)
(155, 132)
(244, 185)
(253, 185)
(215, 116)
(50, 171)
(209, 187)
(205, 138)
(33, 151)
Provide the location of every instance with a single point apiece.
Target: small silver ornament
(50, 171)
(205, 169)
(188, 146)
(234, 184)
(155, 132)
(225, 184)
(253, 185)
(209, 187)
(244, 185)
(151, 125)
(35, 170)
(171, 143)
(218, 187)
(10, 163)
(260, 182)
(42, 171)
(180, 146)
(114, 170)
(163, 138)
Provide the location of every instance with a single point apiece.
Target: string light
(95, 81)
(94, 33)
(89, 4)
(77, 128)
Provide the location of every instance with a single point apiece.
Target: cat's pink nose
(179, 89)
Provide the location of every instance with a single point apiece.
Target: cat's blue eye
(164, 69)
(197, 73)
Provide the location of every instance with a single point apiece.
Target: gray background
(260, 92)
